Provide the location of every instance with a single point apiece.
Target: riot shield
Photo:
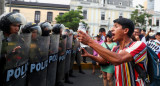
(1, 34)
(38, 61)
(14, 59)
(52, 60)
(68, 53)
(61, 60)
(74, 50)
(78, 54)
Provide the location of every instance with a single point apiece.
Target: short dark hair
(144, 30)
(109, 34)
(126, 23)
(98, 36)
(138, 29)
(102, 30)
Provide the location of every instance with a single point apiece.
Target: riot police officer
(59, 28)
(69, 34)
(46, 28)
(38, 55)
(13, 60)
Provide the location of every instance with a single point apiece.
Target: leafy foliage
(138, 16)
(71, 19)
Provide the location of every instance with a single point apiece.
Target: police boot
(80, 70)
(71, 73)
(67, 79)
(84, 60)
(59, 84)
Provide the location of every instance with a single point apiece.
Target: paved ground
(86, 79)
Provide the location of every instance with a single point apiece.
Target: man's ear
(126, 30)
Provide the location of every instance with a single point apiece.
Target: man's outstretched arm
(106, 54)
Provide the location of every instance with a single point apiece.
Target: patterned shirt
(125, 74)
(155, 46)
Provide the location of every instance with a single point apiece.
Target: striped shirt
(125, 74)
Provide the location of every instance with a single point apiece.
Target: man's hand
(83, 37)
(14, 50)
(137, 38)
(85, 53)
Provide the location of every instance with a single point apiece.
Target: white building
(154, 5)
(101, 13)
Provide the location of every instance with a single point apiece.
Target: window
(89, 0)
(120, 15)
(104, 1)
(102, 16)
(108, 2)
(37, 17)
(96, 1)
(120, 3)
(157, 22)
(61, 14)
(49, 16)
(84, 14)
(150, 21)
(15, 10)
(72, 9)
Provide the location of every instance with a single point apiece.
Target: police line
(15, 73)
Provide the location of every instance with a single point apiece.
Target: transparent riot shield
(78, 54)
(74, 50)
(68, 53)
(14, 59)
(61, 60)
(38, 61)
(52, 60)
(1, 35)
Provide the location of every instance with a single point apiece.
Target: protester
(152, 37)
(99, 41)
(108, 69)
(102, 33)
(143, 32)
(127, 52)
(155, 44)
(137, 34)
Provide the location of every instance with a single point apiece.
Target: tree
(71, 19)
(139, 16)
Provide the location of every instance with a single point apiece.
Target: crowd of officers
(36, 54)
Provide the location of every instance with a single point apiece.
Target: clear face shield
(36, 31)
(14, 19)
(17, 18)
(46, 28)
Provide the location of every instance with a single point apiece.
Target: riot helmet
(7, 19)
(30, 27)
(46, 28)
(33, 28)
(58, 28)
(75, 35)
(71, 31)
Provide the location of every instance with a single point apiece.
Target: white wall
(157, 5)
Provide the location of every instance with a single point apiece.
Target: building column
(2, 6)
